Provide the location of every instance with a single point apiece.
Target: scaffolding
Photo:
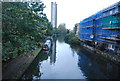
(111, 22)
(103, 27)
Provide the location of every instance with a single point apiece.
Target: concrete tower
(54, 14)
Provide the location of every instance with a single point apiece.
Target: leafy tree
(62, 29)
(72, 39)
(75, 29)
(24, 26)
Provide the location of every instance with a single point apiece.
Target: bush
(72, 39)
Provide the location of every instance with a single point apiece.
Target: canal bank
(16, 67)
(106, 55)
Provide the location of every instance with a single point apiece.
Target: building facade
(102, 30)
(54, 14)
(77, 25)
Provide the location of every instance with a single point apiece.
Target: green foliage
(75, 29)
(61, 29)
(72, 39)
(24, 27)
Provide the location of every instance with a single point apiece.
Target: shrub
(72, 39)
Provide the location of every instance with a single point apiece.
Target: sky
(74, 11)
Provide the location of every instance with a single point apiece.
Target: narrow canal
(66, 62)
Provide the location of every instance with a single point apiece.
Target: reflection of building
(96, 68)
(54, 14)
(53, 56)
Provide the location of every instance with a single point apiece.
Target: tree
(62, 29)
(24, 27)
(72, 39)
(75, 29)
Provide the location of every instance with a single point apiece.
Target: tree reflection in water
(33, 71)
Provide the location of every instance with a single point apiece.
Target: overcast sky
(73, 11)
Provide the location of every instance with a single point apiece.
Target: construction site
(101, 31)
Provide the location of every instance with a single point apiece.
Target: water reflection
(95, 67)
(53, 56)
(60, 39)
(70, 62)
(33, 70)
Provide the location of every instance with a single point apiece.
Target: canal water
(70, 62)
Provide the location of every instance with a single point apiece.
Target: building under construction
(102, 30)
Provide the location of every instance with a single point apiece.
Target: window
(111, 47)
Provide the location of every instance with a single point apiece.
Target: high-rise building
(54, 14)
